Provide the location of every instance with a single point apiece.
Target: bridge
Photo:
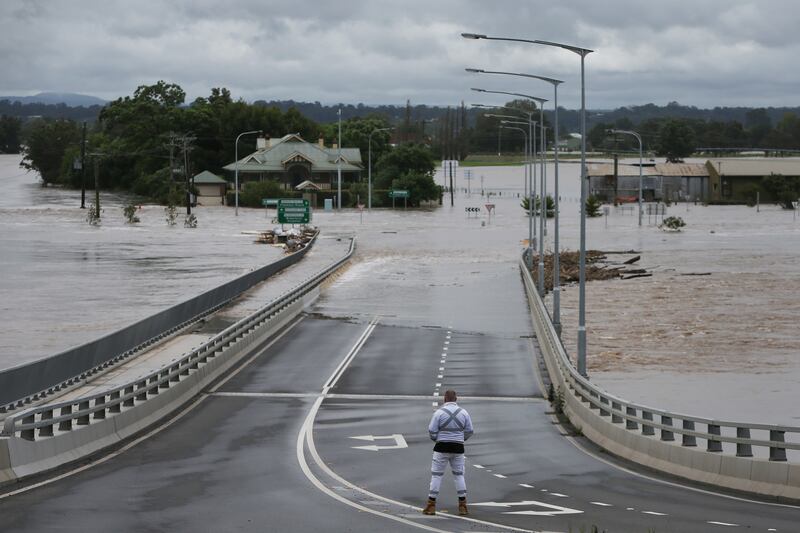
(302, 405)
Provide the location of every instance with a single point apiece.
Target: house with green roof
(291, 161)
(210, 188)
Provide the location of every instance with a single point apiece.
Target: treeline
(148, 143)
(35, 110)
(681, 137)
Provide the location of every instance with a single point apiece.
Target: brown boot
(462, 508)
(430, 508)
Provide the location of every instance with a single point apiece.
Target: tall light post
(530, 140)
(236, 166)
(339, 166)
(638, 138)
(543, 213)
(369, 169)
(582, 52)
(528, 157)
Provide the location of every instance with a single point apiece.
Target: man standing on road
(449, 428)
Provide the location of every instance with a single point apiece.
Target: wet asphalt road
(232, 463)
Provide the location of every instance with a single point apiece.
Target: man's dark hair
(450, 395)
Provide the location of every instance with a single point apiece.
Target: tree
(785, 189)
(45, 146)
(676, 141)
(10, 128)
(406, 159)
(593, 205)
(410, 167)
(355, 134)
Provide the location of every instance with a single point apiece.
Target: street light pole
(582, 52)
(339, 166)
(369, 169)
(528, 157)
(638, 138)
(541, 102)
(236, 166)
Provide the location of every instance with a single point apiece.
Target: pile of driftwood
(598, 267)
(290, 240)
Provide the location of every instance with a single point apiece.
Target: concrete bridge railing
(47, 436)
(748, 457)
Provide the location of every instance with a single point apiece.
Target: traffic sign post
(399, 193)
(267, 203)
(294, 211)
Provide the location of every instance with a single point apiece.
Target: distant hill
(69, 99)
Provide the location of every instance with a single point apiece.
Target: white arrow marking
(399, 442)
(552, 510)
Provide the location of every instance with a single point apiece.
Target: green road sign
(293, 211)
(269, 202)
(398, 194)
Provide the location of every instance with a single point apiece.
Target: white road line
(654, 513)
(441, 368)
(526, 485)
(439, 376)
(307, 434)
(601, 504)
(435, 404)
(722, 524)
(438, 385)
(558, 495)
(165, 425)
(501, 476)
(478, 466)
(447, 342)
(265, 394)
(630, 509)
(511, 399)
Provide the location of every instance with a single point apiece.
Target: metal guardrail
(719, 436)
(28, 383)
(53, 419)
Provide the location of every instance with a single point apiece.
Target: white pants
(439, 465)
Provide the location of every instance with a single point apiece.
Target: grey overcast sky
(696, 52)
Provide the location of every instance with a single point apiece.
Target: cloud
(733, 52)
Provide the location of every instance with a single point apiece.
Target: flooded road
(720, 344)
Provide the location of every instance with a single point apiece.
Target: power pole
(83, 167)
(97, 185)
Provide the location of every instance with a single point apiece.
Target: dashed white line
(601, 504)
(438, 385)
(558, 495)
(654, 513)
(722, 523)
(439, 376)
(630, 509)
(501, 476)
(478, 466)
(447, 342)
(441, 369)
(526, 485)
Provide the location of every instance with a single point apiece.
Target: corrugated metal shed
(756, 167)
(684, 170)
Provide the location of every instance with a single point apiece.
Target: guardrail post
(615, 406)
(776, 453)
(666, 434)
(83, 420)
(714, 445)
(743, 450)
(46, 431)
(646, 428)
(689, 440)
(65, 425)
(28, 434)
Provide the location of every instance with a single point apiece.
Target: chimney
(334, 146)
(261, 143)
(321, 142)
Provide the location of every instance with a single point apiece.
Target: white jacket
(450, 423)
